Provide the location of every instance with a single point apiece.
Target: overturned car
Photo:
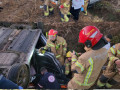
(19, 51)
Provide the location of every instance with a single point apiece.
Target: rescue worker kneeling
(89, 64)
(47, 80)
(57, 45)
(111, 75)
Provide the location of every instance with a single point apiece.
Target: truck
(19, 52)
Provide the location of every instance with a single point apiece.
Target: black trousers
(75, 13)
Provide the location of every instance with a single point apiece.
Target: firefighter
(48, 8)
(65, 10)
(7, 84)
(57, 45)
(85, 6)
(48, 80)
(89, 64)
(111, 74)
(68, 63)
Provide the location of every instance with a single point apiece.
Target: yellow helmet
(68, 54)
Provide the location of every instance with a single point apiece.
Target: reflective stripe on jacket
(113, 54)
(88, 66)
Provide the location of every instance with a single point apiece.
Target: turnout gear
(91, 34)
(65, 10)
(112, 69)
(85, 6)
(48, 9)
(68, 63)
(67, 67)
(89, 64)
(58, 47)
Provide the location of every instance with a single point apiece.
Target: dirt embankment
(105, 15)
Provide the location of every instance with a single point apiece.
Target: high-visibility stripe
(45, 48)
(46, 34)
(80, 66)
(67, 64)
(82, 84)
(108, 85)
(64, 42)
(65, 49)
(87, 76)
(58, 56)
(112, 50)
(111, 58)
(67, 71)
(74, 59)
(118, 52)
(65, 5)
(89, 71)
(100, 84)
(51, 45)
(51, 9)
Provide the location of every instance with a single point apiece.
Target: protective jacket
(88, 67)
(48, 81)
(48, 8)
(67, 67)
(66, 4)
(111, 71)
(58, 47)
(7, 84)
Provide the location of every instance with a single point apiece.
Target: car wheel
(19, 74)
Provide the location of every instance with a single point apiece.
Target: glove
(117, 62)
(61, 6)
(82, 9)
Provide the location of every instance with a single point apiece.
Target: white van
(93, 1)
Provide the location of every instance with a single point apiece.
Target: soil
(101, 15)
(105, 15)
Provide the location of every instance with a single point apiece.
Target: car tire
(19, 74)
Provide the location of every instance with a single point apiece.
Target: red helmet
(52, 32)
(90, 33)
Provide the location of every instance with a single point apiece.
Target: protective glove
(61, 6)
(117, 62)
(82, 9)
